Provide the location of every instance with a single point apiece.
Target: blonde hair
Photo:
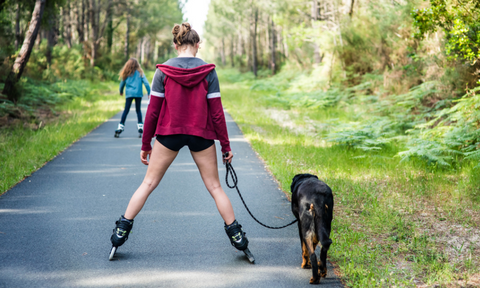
(129, 68)
(184, 34)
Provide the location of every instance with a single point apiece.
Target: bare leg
(206, 161)
(160, 160)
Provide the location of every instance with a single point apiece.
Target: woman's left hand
(227, 157)
(144, 155)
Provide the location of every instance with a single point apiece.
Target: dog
(312, 205)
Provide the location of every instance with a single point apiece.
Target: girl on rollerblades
(185, 110)
(132, 77)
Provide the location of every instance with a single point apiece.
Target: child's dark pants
(128, 103)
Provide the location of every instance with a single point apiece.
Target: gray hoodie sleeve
(213, 85)
(158, 89)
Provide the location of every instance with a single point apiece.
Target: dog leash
(233, 175)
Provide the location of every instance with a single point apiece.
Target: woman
(132, 78)
(185, 109)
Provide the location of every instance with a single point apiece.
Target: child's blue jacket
(133, 85)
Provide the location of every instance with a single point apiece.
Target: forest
(81, 39)
(414, 64)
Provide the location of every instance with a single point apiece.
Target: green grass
(26, 148)
(392, 218)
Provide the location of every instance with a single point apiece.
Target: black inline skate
(238, 239)
(120, 234)
(119, 130)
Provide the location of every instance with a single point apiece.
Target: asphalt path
(55, 226)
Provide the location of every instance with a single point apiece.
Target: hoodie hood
(187, 77)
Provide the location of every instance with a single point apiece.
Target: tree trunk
(17, 27)
(241, 45)
(148, 52)
(222, 53)
(81, 20)
(155, 52)
(315, 10)
(351, 8)
(87, 20)
(232, 51)
(273, 61)
(317, 58)
(25, 51)
(94, 25)
(254, 43)
(39, 38)
(67, 24)
(127, 32)
(142, 50)
(110, 32)
(51, 34)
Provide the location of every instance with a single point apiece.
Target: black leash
(233, 175)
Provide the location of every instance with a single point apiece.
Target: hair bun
(184, 34)
(187, 27)
(176, 29)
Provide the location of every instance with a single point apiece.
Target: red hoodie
(185, 108)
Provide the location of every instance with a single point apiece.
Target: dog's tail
(312, 212)
(321, 223)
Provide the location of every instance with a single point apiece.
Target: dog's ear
(293, 186)
(298, 179)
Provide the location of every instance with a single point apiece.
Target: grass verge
(395, 223)
(27, 146)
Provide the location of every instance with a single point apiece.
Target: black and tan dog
(312, 205)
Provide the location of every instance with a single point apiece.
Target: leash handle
(233, 175)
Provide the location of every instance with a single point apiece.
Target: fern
(371, 136)
(454, 130)
(429, 151)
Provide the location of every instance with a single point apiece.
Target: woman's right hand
(227, 157)
(144, 155)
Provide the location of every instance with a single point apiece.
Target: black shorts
(177, 141)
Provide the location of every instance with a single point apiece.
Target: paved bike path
(55, 225)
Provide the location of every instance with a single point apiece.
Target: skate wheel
(112, 253)
(249, 256)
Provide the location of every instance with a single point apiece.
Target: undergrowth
(47, 119)
(36, 94)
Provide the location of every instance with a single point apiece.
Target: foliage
(372, 135)
(453, 131)
(459, 20)
(431, 127)
(41, 94)
(6, 39)
(71, 55)
(67, 63)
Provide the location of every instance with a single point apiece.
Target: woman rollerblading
(185, 109)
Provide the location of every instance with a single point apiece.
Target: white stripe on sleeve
(157, 94)
(213, 95)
